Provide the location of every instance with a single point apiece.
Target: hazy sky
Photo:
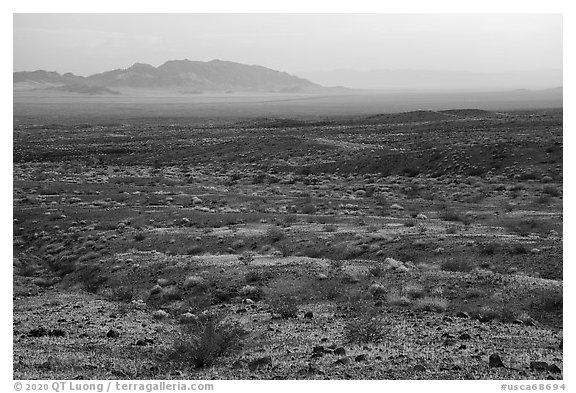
(90, 43)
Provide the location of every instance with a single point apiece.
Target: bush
(489, 248)
(550, 300)
(552, 191)
(253, 276)
(139, 236)
(395, 298)
(206, 341)
(123, 294)
(377, 270)
(435, 304)
(91, 278)
(454, 265)
(368, 328)
(526, 226)
(246, 258)
(308, 209)
(285, 306)
(330, 228)
(414, 291)
(275, 234)
(518, 249)
(194, 250)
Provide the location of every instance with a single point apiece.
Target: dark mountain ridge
(215, 75)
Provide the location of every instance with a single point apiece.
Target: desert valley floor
(416, 245)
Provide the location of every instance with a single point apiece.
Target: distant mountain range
(437, 80)
(184, 76)
(196, 77)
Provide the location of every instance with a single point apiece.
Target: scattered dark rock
(465, 336)
(38, 332)
(318, 349)
(462, 314)
(112, 334)
(309, 315)
(419, 368)
(360, 358)
(342, 361)
(554, 369)
(238, 364)
(340, 351)
(539, 366)
(42, 331)
(259, 363)
(495, 361)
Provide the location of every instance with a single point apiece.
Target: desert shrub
(89, 256)
(330, 228)
(487, 312)
(275, 234)
(450, 215)
(91, 278)
(308, 209)
(410, 223)
(550, 300)
(171, 293)
(451, 230)
(285, 305)
(543, 200)
(253, 276)
(194, 250)
(528, 176)
(367, 328)
(519, 249)
(507, 314)
(64, 264)
(122, 293)
(204, 342)
(236, 244)
(377, 270)
(524, 227)
(551, 190)
(434, 303)
(414, 291)
(474, 293)
(139, 236)
(396, 298)
(246, 258)
(330, 290)
(457, 265)
(336, 264)
(489, 248)
(348, 251)
(315, 252)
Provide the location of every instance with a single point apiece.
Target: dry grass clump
(454, 265)
(432, 303)
(284, 305)
(205, 341)
(367, 328)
